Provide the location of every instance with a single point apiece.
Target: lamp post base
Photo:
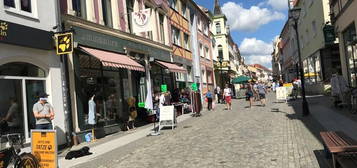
(305, 108)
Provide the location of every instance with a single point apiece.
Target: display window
(20, 84)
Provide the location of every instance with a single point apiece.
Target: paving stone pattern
(240, 138)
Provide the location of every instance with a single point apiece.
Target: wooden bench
(342, 148)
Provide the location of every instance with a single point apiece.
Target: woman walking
(228, 97)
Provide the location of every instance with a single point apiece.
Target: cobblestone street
(260, 137)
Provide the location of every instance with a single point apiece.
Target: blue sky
(254, 24)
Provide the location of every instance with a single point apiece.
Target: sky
(254, 24)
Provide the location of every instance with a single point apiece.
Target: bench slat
(338, 142)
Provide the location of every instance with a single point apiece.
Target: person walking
(218, 93)
(209, 97)
(228, 97)
(262, 92)
(43, 112)
(250, 93)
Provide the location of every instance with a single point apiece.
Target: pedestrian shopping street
(260, 137)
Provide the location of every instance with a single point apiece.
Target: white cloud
(278, 4)
(251, 19)
(256, 51)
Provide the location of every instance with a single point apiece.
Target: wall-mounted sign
(64, 43)
(225, 64)
(329, 34)
(194, 86)
(17, 34)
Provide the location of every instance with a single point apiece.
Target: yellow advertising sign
(64, 43)
(288, 85)
(44, 147)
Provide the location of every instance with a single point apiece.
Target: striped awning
(172, 67)
(115, 60)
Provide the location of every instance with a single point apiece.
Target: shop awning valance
(172, 67)
(110, 59)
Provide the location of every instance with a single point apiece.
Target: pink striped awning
(110, 59)
(172, 67)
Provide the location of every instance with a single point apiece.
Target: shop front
(28, 68)
(111, 65)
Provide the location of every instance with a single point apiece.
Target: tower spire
(217, 8)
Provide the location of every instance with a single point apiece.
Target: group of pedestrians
(256, 92)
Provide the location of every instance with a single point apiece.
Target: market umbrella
(241, 79)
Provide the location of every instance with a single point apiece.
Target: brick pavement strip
(241, 138)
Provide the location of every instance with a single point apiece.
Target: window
(80, 7)
(22, 7)
(187, 41)
(189, 73)
(129, 9)
(349, 41)
(176, 36)
(205, 29)
(307, 36)
(207, 53)
(162, 30)
(220, 52)
(199, 24)
(218, 28)
(201, 50)
(204, 77)
(184, 9)
(314, 28)
(107, 13)
(173, 4)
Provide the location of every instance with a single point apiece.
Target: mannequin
(91, 115)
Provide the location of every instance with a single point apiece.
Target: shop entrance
(20, 84)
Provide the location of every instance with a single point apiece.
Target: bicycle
(11, 157)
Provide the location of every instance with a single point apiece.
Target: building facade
(29, 64)
(117, 56)
(343, 17)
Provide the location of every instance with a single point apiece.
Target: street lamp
(220, 60)
(294, 15)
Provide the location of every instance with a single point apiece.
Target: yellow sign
(3, 29)
(64, 43)
(225, 64)
(288, 85)
(44, 147)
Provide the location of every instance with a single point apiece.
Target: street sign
(64, 43)
(163, 88)
(44, 147)
(194, 86)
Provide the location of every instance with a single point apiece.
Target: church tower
(217, 8)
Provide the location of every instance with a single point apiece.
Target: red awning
(110, 59)
(172, 67)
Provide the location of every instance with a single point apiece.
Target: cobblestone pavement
(260, 137)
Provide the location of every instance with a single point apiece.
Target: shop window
(19, 94)
(350, 44)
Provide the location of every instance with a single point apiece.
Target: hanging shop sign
(64, 43)
(141, 21)
(194, 86)
(329, 34)
(163, 88)
(12, 33)
(44, 147)
(225, 64)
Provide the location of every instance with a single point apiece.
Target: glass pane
(26, 5)
(11, 109)
(111, 95)
(21, 69)
(9, 3)
(33, 89)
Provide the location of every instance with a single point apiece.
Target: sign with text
(281, 93)
(44, 147)
(64, 43)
